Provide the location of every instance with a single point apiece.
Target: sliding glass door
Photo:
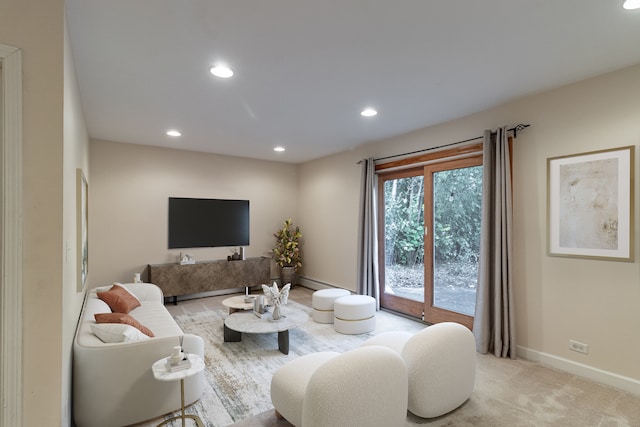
(455, 201)
(402, 250)
(430, 235)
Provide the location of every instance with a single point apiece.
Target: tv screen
(203, 223)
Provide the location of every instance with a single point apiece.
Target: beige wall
(329, 208)
(54, 144)
(557, 299)
(51, 304)
(595, 302)
(76, 155)
(129, 190)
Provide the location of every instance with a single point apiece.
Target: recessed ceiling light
(173, 132)
(279, 148)
(368, 112)
(631, 4)
(221, 71)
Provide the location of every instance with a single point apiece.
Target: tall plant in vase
(286, 251)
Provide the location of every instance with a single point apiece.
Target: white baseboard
(303, 281)
(316, 285)
(621, 382)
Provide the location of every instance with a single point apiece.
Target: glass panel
(457, 201)
(404, 237)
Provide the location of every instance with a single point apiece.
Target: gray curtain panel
(494, 324)
(368, 236)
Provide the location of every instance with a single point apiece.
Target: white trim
(11, 230)
(315, 285)
(621, 382)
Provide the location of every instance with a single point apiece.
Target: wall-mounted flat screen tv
(205, 223)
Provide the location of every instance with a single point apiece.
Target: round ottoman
(322, 303)
(354, 314)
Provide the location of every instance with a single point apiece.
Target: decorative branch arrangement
(276, 297)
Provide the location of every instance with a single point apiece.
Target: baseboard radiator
(316, 285)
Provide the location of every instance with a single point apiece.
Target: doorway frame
(11, 286)
(419, 162)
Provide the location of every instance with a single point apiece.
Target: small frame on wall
(82, 219)
(590, 204)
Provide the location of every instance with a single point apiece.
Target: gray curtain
(494, 324)
(368, 235)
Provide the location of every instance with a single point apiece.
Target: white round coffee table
(249, 323)
(161, 372)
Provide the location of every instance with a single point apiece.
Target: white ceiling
(304, 69)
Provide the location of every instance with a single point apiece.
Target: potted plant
(286, 251)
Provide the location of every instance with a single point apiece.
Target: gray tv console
(177, 279)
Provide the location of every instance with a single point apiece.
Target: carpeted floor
(508, 392)
(517, 393)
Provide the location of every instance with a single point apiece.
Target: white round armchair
(441, 363)
(365, 387)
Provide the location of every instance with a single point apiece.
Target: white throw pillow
(117, 332)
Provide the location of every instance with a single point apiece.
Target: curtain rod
(514, 129)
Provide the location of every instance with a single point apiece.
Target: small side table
(162, 373)
(237, 303)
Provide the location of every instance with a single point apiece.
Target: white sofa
(113, 384)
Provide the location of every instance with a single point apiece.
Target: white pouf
(354, 314)
(322, 302)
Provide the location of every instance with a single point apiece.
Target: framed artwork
(590, 204)
(82, 219)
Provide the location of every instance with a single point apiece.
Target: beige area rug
(239, 373)
(508, 393)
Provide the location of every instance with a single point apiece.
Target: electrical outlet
(67, 250)
(578, 346)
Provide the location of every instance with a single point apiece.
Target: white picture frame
(590, 204)
(82, 220)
